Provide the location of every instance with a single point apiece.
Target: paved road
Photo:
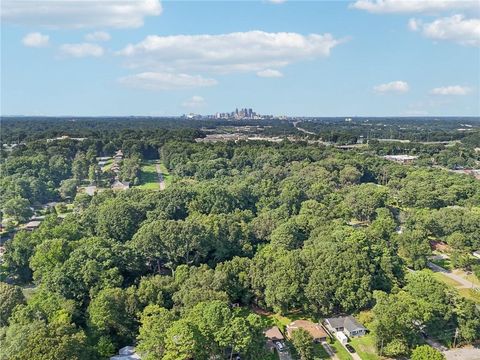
(469, 353)
(435, 345)
(302, 130)
(161, 182)
(463, 283)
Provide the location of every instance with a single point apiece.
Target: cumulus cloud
(79, 13)
(451, 90)
(413, 6)
(98, 36)
(454, 28)
(226, 53)
(269, 73)
(399, 87)
(194, 102)
(35, 39)
(81, 50)
(165, 81)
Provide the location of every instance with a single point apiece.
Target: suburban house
(315, 330)
(346, 324)
(273, 336)
(120, 185)
(32, 225)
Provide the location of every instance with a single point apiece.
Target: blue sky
(316, 58)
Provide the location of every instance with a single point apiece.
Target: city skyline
(292, 58)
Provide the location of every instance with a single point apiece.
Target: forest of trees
(284, 227)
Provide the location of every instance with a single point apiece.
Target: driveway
(464, 283)
(285, 355)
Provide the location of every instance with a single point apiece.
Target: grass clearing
(445, 279)
(470, 294)
(167, 177)
(148, 176)
(29, 291)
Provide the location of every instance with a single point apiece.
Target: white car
(280, 346)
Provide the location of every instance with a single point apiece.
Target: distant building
(476, 254)
(402, 159)
(90, 190)
(32, 225)
(120, 185)
(317, 332)
(346, 324)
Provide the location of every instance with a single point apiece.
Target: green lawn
(341, 352)
(365, 347)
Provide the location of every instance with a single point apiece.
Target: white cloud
(98, 36)
(194, 102)
(451, 90)
(35, 39)
(80, 13)
(165, 81)
(454, 28)
(392, 87)
(226, 53)
(276, 1)
(269, 73)
(81, 50)
(413, 6)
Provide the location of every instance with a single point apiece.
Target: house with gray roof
(347, 324)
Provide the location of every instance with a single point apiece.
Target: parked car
(350, 348)
(281, 347)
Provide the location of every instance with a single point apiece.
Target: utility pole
(455, 338)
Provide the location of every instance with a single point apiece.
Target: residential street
(469, 353)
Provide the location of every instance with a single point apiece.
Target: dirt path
(161, 182)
